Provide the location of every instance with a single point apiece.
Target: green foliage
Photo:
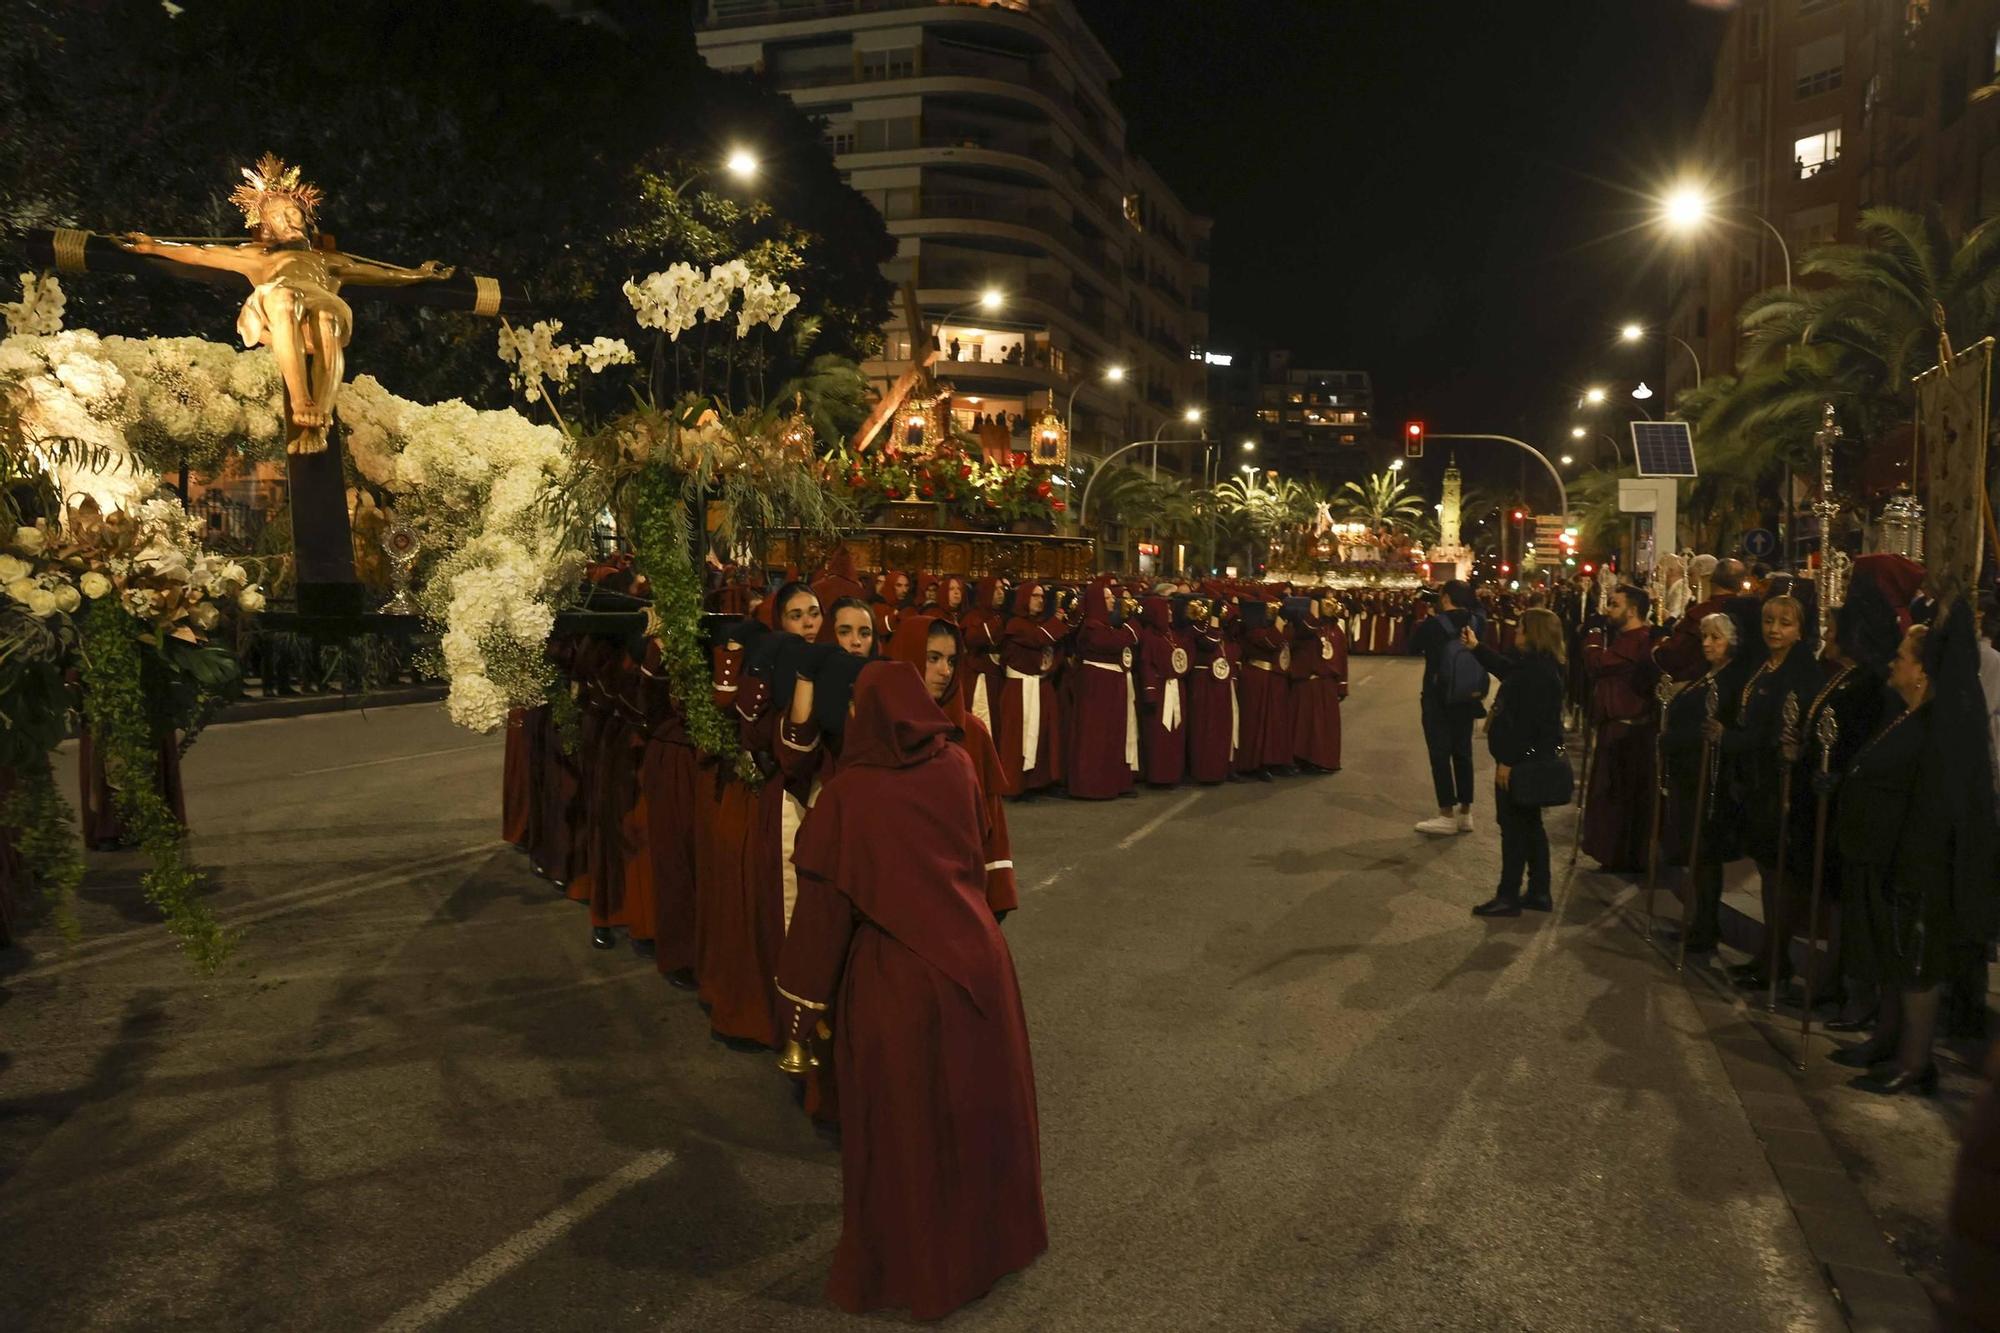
(659, 532)
(117, 712)
(43, 831)
(1383, 500)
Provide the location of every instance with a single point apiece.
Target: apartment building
(1820, 109)
(987, 136)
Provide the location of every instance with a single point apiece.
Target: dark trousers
(1524, 846)
(1448, 737)
(1706, 883)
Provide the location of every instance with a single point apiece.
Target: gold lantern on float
(1049, 443)
(796, 437)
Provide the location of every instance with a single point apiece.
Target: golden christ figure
(294, 306)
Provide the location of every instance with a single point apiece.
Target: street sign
(1759, 543)
(1549, 536)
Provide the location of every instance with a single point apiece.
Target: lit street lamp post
(1688, 207)
(1633, 333)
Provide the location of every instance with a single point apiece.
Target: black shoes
(682, 978)
(1498, 906)
(1539, 902)
(603, 937)
(1862, 1055)
(1898, 1081)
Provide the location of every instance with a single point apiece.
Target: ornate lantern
(1900, 530)
(1050, 441)
(796, 437)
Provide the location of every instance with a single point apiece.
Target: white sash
(981, 707)
(1031, 715)
(1235, 723)
(1131, 724)
(1170, 704)
(789, 820)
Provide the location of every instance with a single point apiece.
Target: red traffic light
(1590, 569)
(1413, 439)
(1518, 516)
(1506, 568)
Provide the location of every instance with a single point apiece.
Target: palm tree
(1855, 341)
(1384, 499)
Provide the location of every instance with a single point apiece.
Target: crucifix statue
(295, 308)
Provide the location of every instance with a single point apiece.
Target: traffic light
(1413, 440)
(1519, 515)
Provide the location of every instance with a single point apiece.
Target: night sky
(1449, 195)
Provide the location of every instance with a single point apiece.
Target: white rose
(95, 585)
(204, 615)
(29, 539)
(67, 598)
(42, 602)
(12, 567)
(251, 599)
(22, 588)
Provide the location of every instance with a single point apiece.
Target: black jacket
(1430, 638)
(1527, 712)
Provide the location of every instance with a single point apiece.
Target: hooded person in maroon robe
(1318, 677)
(1625, 716)
(1264, 738)
(892, 938)
(1164, 662)
(933, 647)
(1211, 690)
(980, 673)
(1030, 717)
(1103, 716)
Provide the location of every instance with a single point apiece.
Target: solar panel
(1663, 448)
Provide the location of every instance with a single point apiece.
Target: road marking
(1150, 826)
(523, 1245)
(391, 759)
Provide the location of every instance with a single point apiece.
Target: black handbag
(1542, 779)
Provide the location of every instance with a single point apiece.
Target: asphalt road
(1286, 1081)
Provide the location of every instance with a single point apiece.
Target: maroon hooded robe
(1319, 676)
(1164, 661)
(1029, 652)
(1265, 737)
(1616, 818)
(940, 1142)
(1103, 740)
(1212, 705)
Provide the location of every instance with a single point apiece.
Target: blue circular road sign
(1759, 542)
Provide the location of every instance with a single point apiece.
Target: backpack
(1463, 679)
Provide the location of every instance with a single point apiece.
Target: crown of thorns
(271, 179)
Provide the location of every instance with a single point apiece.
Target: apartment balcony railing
(750, 13)
(989, 208)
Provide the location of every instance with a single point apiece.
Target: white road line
(522, 1246)
(392, 759)
(1150, 826)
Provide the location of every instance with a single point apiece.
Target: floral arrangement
(104, 415)
(132, 605)
(977, 493)
(494, 565)
(676, 300)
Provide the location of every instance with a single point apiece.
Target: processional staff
(1664, 692)
(1788, 758)
(1829, 739)
(1704, 792)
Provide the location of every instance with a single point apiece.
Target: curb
(306, 705)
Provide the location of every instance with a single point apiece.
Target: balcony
(994, 208)
(755, 13)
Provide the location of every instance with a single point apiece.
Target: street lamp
(1112, 375)
(1577, 432)
(1593, 395)
(1566, 460)
(1249, 446)
(1632, 333)
(1395, 465)
(1687, 207)
(742, 164)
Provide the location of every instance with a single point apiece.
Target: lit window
(1816, 152)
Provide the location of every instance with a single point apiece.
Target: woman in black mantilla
(1755, 755)
(1916, 845)
(1723, 646)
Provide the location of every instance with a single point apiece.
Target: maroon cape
(1617, 813)
(939, 1139)
(1265, 739)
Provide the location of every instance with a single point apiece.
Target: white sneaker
(1440, 824)
(1465, 821)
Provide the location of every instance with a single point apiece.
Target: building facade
(1819, 110)
(986, 135)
